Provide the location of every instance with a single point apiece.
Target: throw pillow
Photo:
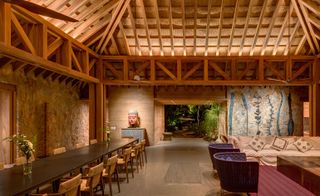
(302, 145)
(256, 144)
(279, 143)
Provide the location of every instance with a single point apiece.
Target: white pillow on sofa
(302, 145)
(279, 143)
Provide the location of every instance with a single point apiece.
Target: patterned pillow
(257, 144)
(302, 145)
(279, 144)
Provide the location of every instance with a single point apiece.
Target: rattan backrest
(127, 154)
(110, 164)
(59, 150)
(93, 141)
(71, 187)
(95, 175)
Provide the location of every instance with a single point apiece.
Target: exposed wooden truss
(33, 44)
(193, 27)
(157, 71)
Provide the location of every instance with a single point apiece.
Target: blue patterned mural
(264, 111)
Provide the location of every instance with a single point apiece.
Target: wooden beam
(22, 34)
(142, 67)
(179, 69)
(296, 27)
(300, 45)
(116, 18)
(125, 69)
(275, 71)
(183, 27)
(303, 25)
(219, 70)
(75, 61)
(54, 46)
(307, 18)
(152, 70)
(206, 70)
(26, 57)
(171, 28)
(125, 40)
(146, 26)
(173, 77)
(311, 5)
(5, 23)
(113, 70)
(301, 70)
(274, 16)
(133, 23)
(192, 70)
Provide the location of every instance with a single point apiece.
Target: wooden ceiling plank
(245, 29)
(171, 28)
(271, 24)
(171, 75)
(233, 27)
(22, 34)
(116, 16)
(295, 29)
(311, 6)
(219, 70)
(256, 34)
(195, 27)
(155, 2)
(312, 33)
(208, 28)
(125, 39)
(300, 45)
(192, 70)
(283, 26)
(301, 70)
(54, 46)
(303, 25)
(220, 27)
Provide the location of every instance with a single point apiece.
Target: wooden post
(152, 70)
(92, 112)
(99, 95)
(314, 100)
(5, 23)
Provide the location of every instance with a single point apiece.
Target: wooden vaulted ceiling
(192, 27)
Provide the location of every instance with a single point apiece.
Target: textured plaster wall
(67, 116)
(264, 111)
(123, 99)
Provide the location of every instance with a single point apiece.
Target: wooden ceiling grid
(192, 27)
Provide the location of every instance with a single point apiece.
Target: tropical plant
(211, 119)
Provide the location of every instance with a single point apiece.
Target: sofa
(269, 147)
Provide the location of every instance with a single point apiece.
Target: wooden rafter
(195, 27)
(304, 25)
(171, 28)
(220, 27)
(297, 25)
(133, 23)
(208, 28)
(54, 46)
(155, 2)
(125, 39)
(233, 26)
(275, 13)
(256, 34)
(146, 26)
(183, 27)
(245, 29)
(301, 43)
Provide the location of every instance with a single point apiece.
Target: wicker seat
(59, 150)
(93, 141)
(70, 187)
(92, 180)
(218, 147)
(236, 173)
(135, 155)
(110, 168)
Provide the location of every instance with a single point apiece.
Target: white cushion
(302, 145)
(279, 143)
(257, 144)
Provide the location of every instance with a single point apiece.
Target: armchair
(236, 173)
(220, 147)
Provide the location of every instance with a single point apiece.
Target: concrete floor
(178, 167)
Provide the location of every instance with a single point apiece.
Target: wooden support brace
(219, 70)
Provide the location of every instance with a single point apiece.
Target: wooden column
(314, 100)
(5, 23)
(92, 112)
(99, 94)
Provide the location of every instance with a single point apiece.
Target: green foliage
(211, 120)
(24, 145)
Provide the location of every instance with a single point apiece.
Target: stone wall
(121, 100)
(48, 105)
(264, 111)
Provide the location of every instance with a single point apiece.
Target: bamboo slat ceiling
(192, 27)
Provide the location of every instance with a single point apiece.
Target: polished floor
(178, 167)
